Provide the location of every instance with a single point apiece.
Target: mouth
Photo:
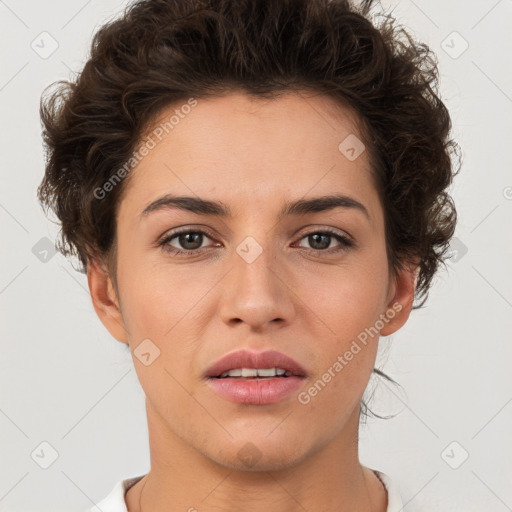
(257, 373)
(249, 365)
(255, 378)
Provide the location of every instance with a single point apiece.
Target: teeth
(253, 372)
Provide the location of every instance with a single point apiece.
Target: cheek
(348, 298)
(349, 301)
(156, 299)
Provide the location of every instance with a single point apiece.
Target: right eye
(189, 240)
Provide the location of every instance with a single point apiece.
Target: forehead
(250, 149)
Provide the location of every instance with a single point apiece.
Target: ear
(105, 301)
(400, 298)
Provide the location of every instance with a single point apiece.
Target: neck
(183, 478)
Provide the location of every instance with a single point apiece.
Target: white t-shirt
(115, 502)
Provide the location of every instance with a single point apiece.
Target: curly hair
(160, 52)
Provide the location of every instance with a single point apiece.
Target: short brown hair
(160, 52)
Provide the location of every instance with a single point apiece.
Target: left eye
(324, 239)
(191, 241)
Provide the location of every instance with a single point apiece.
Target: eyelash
(345, 242)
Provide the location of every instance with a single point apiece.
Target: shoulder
(115, 501)
(394, 499)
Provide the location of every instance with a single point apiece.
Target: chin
(258, 454)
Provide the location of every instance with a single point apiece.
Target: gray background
(66, 382)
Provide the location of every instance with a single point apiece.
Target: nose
(256, 292)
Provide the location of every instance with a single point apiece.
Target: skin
(253, 155)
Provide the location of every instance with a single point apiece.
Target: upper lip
(247, 359)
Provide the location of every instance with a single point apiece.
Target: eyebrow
(217, 208)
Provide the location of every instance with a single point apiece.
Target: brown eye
(186, 242)
(320, 241)
(190, 240)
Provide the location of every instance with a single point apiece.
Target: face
(312, 283)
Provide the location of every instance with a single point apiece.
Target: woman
(257, 192)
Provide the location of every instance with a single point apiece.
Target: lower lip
(255, 391)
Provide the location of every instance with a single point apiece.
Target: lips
(255, 390)
(255, 360)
